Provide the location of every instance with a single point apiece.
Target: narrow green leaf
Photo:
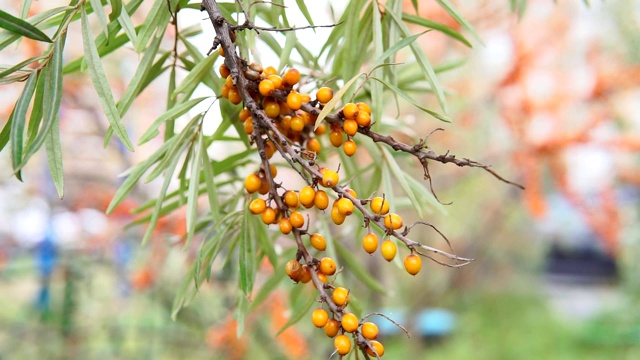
(454, 13)
(96, 5)
(398, 173)
(5, 134)
(116, 9)
(212, 189)
(156, 17)
(298, 315)
(406, 96)
(285, 56)
(396, 47)
(169, 127)
(25, 6)
(247, 257)
(266, 242)
(20, 65)
(195, 75)
(54, 157)
(334, 101)
(303, 8)
(127, 25)
(355, 267)
(175, 112)
(9, 37)
(377, 102)
(192, 197)
(101, 84)
(417, 20)
(415, 5)
(19, 26)
(18, 121)
(185, 291)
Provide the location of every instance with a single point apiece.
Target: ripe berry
(349, 322)
(379, 349)
(330, 178)
(305, 98)
(337, 217)
(319, 317)
(340, 296)
(369, 330)
(269, 216)
(252, 183)
(350, 127)
(321, 200)
(307, 195)
(266, 87)
(412, 263)
(273, 169)
(272, 109)
(297, 123)
(269, 71)
(220, 51)
(224, 91)
(318, 242)
(327, 266)
(294, 270)
(322, 277)
(313, 145)
(291, 199)
(379, 206)
(264, 187)
(352, 193)
(257, 206)
(248, 125)
(332, 327)
(276, 80)
(234, 96)
(291, 77)
(324, 95)
(294, 101)
(350, 111)
(306, 274)
(345, 206)
(388, 249)
(320, 130)
(244, 114)
(370, 243)
(336, 137)
(342, 344)
(363, 119)
(285, 226)
(364, 107)
(269, 148)
(349, 147)
(297, 220)
(224, 71)
(393, 221)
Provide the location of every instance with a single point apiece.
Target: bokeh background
(550, 98)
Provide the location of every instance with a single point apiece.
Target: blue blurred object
(46, 256)
(386, 327)
(435, 322)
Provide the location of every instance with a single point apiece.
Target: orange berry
(306, 274)
(276, 80)
(285, 122)
(234, 96)
(257, 206)
(229, 82)
(363, 119)
(269, 215)
(248, 125)
(225, 91)
(305, 98)
(388, 249)
(224, 70)
(291, 77)
(272, 109)
(307, 196)
(324, 95)
(349, 322)
(345, 206)
(285, 226)
(352, 193)
(294, 101)
(370, 243)
(318, 242)
(264, 187)
(340, 296)
(320, 130)
(364, 107)
(349, 147)
(342, 343)
(328, 266)
(291, 199)
(269, 71)
(378, 347)
(337, 217)
(314, 145)
(350, 111)
(379, 206)
(350, 127)
(266, 87)
(294, 270)
(321, 200)
(330, 178)
(297, 219)
(252, 183)
(297, 123)
(412, 263)
(273, 169)
(332, 327)
(369, 330)
(393, 221)
(322, 277)
(244, 114)
(319, 317)
(336, 137)
(220, 50)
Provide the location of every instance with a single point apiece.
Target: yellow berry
(269, 216)
(318, 242)
(370, 243)
(342, 343)
(266, 87)
(350, 127)
(350, 111)
(349, 322)
(393, 221)
(248, 125)
(297, 219)
(276, 80)
(324, 95)
(412, 263)
(319, 317)
(294, 101)
(297, 123)
(336, 137)
(291, 77)
(369, 330)
(294, 270)
(320, 130)
(220, 50)
(388, 249)
(352, 193)
(327, 266)
(379, 348)
(252, 183)
(364, 107)
(306, 274)
(379, 206)
(234, 96)
(244, 114)
(307, 196)
(273, 169)
(285, 226)
(264, 187)
(257, 206)
(269, 71)
(340, 296)
(345, 206)
(349, 147)
(271, 109)
(331, 328)
(269, 148)
(314, 145)
(225, 91)
(337, 217)
(305, 98)
(321, 200)
(224, 70)
(330, 178)
(291, 199)
(363, 119)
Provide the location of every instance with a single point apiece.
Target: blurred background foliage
(550, 98)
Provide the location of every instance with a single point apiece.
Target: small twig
(249, 25)
(390, 320)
